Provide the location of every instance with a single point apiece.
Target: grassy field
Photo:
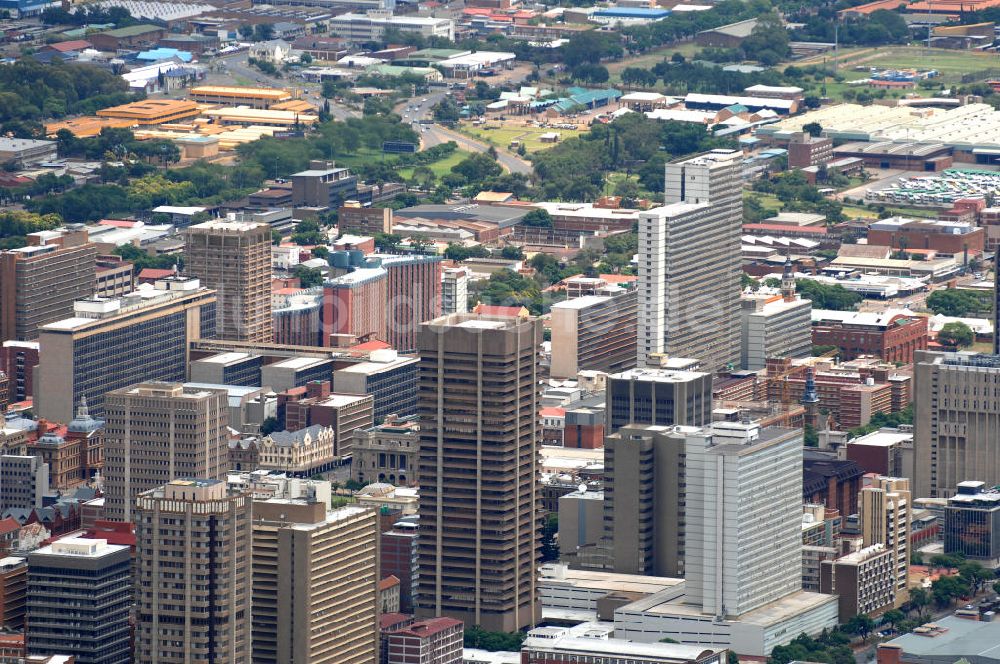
(440, 167)
(501, 137)
(647, 60)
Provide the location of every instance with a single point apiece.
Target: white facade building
(690, 263)
(454, 290)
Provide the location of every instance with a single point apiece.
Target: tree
(809, 436)
(958, 303)
(537, 218)
(861, 624)
(447, 111)
(263, 32)
(477, 167)
(550, 547)
(269, 426)
(894, 617)
(307, 233)
(308, 276)
(512, 252)
(956, 335)
(918, 600)
(306, 59)
(476, 637)
(387, 242)
(814, 129)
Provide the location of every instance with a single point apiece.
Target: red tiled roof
(72, 45)
(552, 411)
(619, 278)
(497, 310)
(9, 525)
(388, 582)
(430, 626)
(390, 619)
(118, 223)
(154, 273)
(372, 345)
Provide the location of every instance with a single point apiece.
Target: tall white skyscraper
(689, 263)
(743, 502)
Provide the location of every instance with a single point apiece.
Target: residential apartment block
(595, 332)
(234, 259)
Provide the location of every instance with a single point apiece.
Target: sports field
(503, 133)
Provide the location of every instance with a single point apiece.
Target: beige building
(194, 563)
(234, 259)
(302, 452)
(157, 432)
(595, 332)
(478, 467)
(885, 510)
(957, 422)
(40, 282)
(315, 583)
(387, 452)
(862, 581)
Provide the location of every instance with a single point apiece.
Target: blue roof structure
(164, 54)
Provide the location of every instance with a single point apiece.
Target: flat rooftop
(960, 638)
(606, 581)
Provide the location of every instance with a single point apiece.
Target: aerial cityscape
(499, 332)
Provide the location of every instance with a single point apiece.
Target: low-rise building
(972, 523)
(300, 453)
(22, 152)
(387, 452)
(863, 581)
(893, 335)
(596, 644)
(430, 641)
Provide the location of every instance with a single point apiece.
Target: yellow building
(153, 111)
(242, 115)
(237, 96)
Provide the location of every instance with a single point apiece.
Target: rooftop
(956, 639)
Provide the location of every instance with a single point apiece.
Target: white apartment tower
(885, 508)
(454, 290)
(689, 263)
(743, 515)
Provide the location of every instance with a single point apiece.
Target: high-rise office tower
(111, 344)
(413, 296)
(479, 500)
(956, 422)
(315, 582)
(996, 305)
(643, 503)
(193, 550)
(743, 516)
(689, 263)
(40, 282)
(79, 597)
(658, 396)
(885, 512)
(234, 259)
(157, 432)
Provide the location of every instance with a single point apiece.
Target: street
(435, 134)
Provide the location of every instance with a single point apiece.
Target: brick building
(945, 237)
(430, 641)
(354, 308)
(829, 481)
(805, 150)
(893, 335)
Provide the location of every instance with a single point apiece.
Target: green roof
(132, 30)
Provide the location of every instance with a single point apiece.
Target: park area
(501, 134)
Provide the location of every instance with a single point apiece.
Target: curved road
(435, 134)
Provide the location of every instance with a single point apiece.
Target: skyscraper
(315, 582)
(111, 344)
(413, 296)
(743, 516)
(689, 263)
(956, 422)
(885, 511)
(193, 555)
(996, 305)
(234, 259)
(79, 600)
(40, 282)
(157, 432)
(658, 396)
(643, 500)
(479, 501)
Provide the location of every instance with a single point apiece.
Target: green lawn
(441, 167)
(646, 61)
(501, 137)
